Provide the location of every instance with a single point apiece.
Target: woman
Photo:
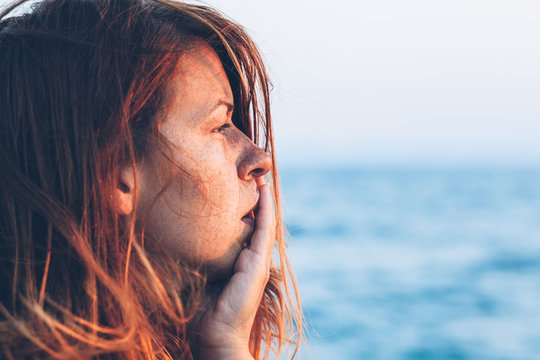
(135, 222)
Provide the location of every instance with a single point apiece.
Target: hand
(225, 328)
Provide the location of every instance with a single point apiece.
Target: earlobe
(124, 193)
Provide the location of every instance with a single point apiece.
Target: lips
(249, 218)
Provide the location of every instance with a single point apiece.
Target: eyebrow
(203, 113)
(227, 103)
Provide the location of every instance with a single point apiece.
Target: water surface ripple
(417, 264)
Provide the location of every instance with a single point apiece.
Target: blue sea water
(415, 264)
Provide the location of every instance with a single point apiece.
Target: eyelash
(223, 127)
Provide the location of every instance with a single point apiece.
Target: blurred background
(407, 138)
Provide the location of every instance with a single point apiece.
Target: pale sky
(400, 81)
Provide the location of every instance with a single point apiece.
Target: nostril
(123, 187)
(258, 172)
(254, 162)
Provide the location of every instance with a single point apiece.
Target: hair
(81, 82)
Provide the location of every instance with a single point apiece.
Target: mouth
(249, 218)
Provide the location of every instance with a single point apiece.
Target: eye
(222, 128)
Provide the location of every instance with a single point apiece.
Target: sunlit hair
(81, 82)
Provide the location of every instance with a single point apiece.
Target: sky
(400, 82)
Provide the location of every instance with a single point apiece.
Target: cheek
(198, 219)
(210, 239)
(221, 192)
(198, 216)
(216, 177)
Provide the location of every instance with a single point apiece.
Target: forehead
(199, 80)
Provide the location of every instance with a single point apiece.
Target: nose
(254, 163)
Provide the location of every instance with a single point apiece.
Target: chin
(219, 270)
(223, 267)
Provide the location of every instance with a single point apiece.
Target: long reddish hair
(80, 84)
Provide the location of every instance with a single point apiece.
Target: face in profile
(198, 190)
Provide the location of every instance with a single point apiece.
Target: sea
(416, 263)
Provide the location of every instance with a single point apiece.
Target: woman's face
(204, 214)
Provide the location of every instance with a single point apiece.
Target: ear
(124, 193)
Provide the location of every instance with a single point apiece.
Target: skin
(226, 325)
(210, 167)
(213, 179)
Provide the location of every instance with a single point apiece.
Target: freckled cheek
(211, 198)
(223, 199)
(222, 190)
(210, 240)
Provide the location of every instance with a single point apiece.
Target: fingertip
(260, 181)
(265, 195)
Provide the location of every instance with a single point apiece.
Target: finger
(260, 181)
(239, 300)
(263, 236)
